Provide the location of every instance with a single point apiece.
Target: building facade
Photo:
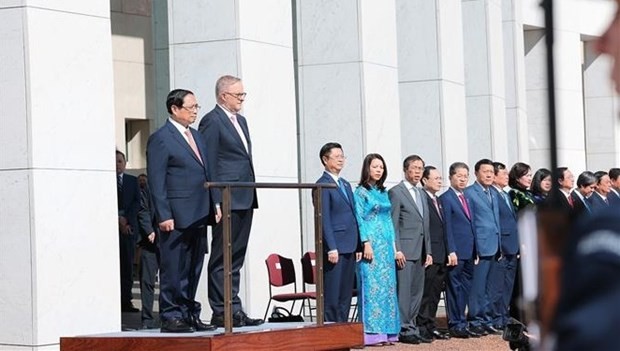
(449, 80)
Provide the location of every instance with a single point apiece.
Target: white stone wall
(58, 233)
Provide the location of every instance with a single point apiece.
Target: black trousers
(127, 250)
(149, 265)
(182, 254)
(241, 225)
(434, 283)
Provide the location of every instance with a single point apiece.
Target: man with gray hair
(229, 151)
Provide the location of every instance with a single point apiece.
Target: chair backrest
(280, 269)
(308, 266)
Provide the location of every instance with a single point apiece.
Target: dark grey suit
(411, 227)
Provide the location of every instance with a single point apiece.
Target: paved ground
(487, 343)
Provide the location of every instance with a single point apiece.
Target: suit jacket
(507, 224)
(411, 228)
(580, 206)
(485, 219)
(176, 177)
(596, 202)
(228, 159)
(148, 222)
(459, 228)
(130, 202)
(340, 229)
(436, 230)
(614, 198)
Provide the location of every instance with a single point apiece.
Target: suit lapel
(458, 202)
(407, 194)
(176, 135)
(231, 128)
(431, 204)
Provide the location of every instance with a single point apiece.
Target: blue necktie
(342, 188)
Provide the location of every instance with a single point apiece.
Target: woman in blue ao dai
(376, 271)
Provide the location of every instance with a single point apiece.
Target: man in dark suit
(149, 255)
(461, 247)
(586, 183)
(485, 285)
(413, 247)
(340, 235)
(435, 274)
(229, 149)
(599, 199)
(509, 246)
(177, 166)
(128, 195)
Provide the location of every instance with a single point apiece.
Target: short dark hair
(586, 178)
(455, 166)
(614, 173)
(484, 161)
(426, 173)
(411, 158)
(118, 152)
(517, 171)
(142, 175)
(175, 98)
(365, 178)
(498, 166)
(540, 174)
(327, 148)
(559, 173)
(599, 175)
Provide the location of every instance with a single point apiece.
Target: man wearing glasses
(177, 165)
(229, 150)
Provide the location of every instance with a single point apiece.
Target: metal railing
(227, 249)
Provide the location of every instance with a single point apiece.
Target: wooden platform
(273, 336)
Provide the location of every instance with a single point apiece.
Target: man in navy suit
(229, 149)
(128, 195)
(614, 193)
(599, 200)
(177, 165)
(486, 228)
(461, 247)
(340, 235)
(509, 247)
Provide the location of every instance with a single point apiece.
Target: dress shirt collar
(565, 192)
(228, 113)
(408, 185)
(433, 196)
(599, 194)
(456, 191)
(178, 126)
(335, 177)
(579, 194)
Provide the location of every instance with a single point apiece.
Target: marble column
(348, 87)
(514, 73)
(58, 239)
(431, 81)
(251, 40)
(602, 125)
(569, 98)
(484, 80)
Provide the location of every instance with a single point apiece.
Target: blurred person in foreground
(588, 317)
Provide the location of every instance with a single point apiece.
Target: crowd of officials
(415, 243)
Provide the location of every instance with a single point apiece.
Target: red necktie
(464, 204)
(570, 201)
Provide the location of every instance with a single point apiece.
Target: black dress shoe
(492, 330)
(176, 326)
(240, 319)
(424, 339)
(459, 333)
(440, 335)
(129, 308)
(475, 332)
(408, 339)
(199, 325)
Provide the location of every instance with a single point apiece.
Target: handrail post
(318, 245)
(227, 251)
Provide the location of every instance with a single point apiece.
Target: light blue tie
(342, 188)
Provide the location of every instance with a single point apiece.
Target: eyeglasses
(339, 157)
(192, 108)
(239, 96)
